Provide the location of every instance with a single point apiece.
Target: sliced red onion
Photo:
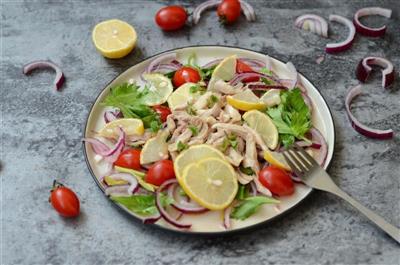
(343, 45)
(367, 11)
(109, 154)
(261, 188)
(248, 11)
(318, 138)
(364, 69)
(316, 24)
(181, 205)
(133, 183)
(58, 80)
(202, 7)
(176, 63)
(239, 77)
(308, 144)
(253, 62)
(165, 68)
(358, 126)
(120, 190)
(265, 87)
(161, 209)
(168, 57)
(211, 64)
(253, 189)
(151, 219)
(110, 115)
(295, 178)
(227, 217)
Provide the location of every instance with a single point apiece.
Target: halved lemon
(182, 95)
(245, 100)
(130, 126)
(114, 38)
(225, 71)
(159, 90)
(276, 159)
(272, 97)
(194, 154)
(262, 124)
(210, 182)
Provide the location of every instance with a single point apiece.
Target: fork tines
(299, 160)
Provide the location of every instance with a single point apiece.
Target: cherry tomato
(229, 11)
(242, 67)
(163, 111)
(171, 17)
(276, 180)
(160, 172)
(64, 200)
(185, 75)
(129, 158)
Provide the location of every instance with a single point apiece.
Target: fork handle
(390, 229)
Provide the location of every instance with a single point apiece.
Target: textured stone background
(41, 132)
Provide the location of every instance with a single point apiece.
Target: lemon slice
(182, 95)
(246, 100)
(272, 97)
(114, 38)
(159, 90)
(194, 154)
(225, 71)
(276, 159)
(129, 125)
(210, 182)
(155, 149)
(263, 124)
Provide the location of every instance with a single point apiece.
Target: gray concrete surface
(41, 132)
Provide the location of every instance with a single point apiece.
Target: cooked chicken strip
(225, 88)
(214, 111)
(171, 126)
(257, 137)
(201, 136)
(250, 158)
(233, 113)
(261, 188)
(233, 157)
(201, 102)
(243, 178)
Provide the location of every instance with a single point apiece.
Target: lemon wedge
(210, 182)
(262, 124)
(272, 97)
(114, 38)
(130, 126)
(245, 100)
(276, 159)
(159, 90)
(182, 95)
(155, 149)
(225, 71)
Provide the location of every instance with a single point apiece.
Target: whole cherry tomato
(185, 75)
(229, 11)
(277, 180)
(242, 67)
(163, 111)
(64, 200)
(129, 158)
(160, 172)
(171, 17)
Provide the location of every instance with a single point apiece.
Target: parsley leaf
(264, 70)
(142, 204)
(207, 72)
(229, 140)
(191, 110)
(181, 146)
(249, 206)
(194, 129)
(211, 101)
(247, 170)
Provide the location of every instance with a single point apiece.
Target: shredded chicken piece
(225, 88)
(213, 111)
(250, 158)
(257, 137)
(139, 139)
(210, 120)
(215, 136)
(218, 143)
(241, 144)
(170, 123)
(178, 131)
(243, 178)
(233, 113)
(233, 157)
(261, 188)
(201, 136)
(201, 102)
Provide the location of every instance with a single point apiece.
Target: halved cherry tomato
(64, 200)
(163, 111)
(242, 67)
(185, 75)
(277, 180)
(129, 158)
(229, 11)
(160, 172)
(171, 17)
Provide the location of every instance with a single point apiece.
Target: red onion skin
(340, 48)
(151, 220)
(369, 33)
(59, 79)
(362, 73)
(183, 209)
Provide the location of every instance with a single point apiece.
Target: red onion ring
(358, 126)
(316, 23)
(308, 144)
(367, 11)
(201, 8)
(364, 69)
(158, 60)
(151, 219)
(183, 206)
(239, 77)
(265, 87)
(110, 115)
(58, 80)
(253, 188)
(318, 138)
(133, 183)
(343, 45)
(253, 62)
(248, 11)
(161, 209)
(212, 63)
(227, 217)
(117, 190)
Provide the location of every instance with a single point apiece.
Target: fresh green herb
(155, 126)
(249, 206)
(247, 170)
(292, 116)
(207, 72)
(191, 110)
(243, 192)
(266, 81)
(229, 140)
(194, 129)
(181, 146)
(127, 98)
(170, 75)
(197, 88)
(142, 204)
(224, 146)
(211, 101)
(181, 192)
(266, 71)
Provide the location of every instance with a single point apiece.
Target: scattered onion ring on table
(346, 44)
(364, 69)
(358, 126)
(367, 11)
(312, 23)
(58, 80)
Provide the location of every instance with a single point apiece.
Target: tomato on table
(159, 172)
(185, 75)
(242, 67)
(64, 200)
(171, 17)
(163, 111)
(129, 158)
(229, 11)
(277, 180)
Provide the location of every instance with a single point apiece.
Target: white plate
(211, 222)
